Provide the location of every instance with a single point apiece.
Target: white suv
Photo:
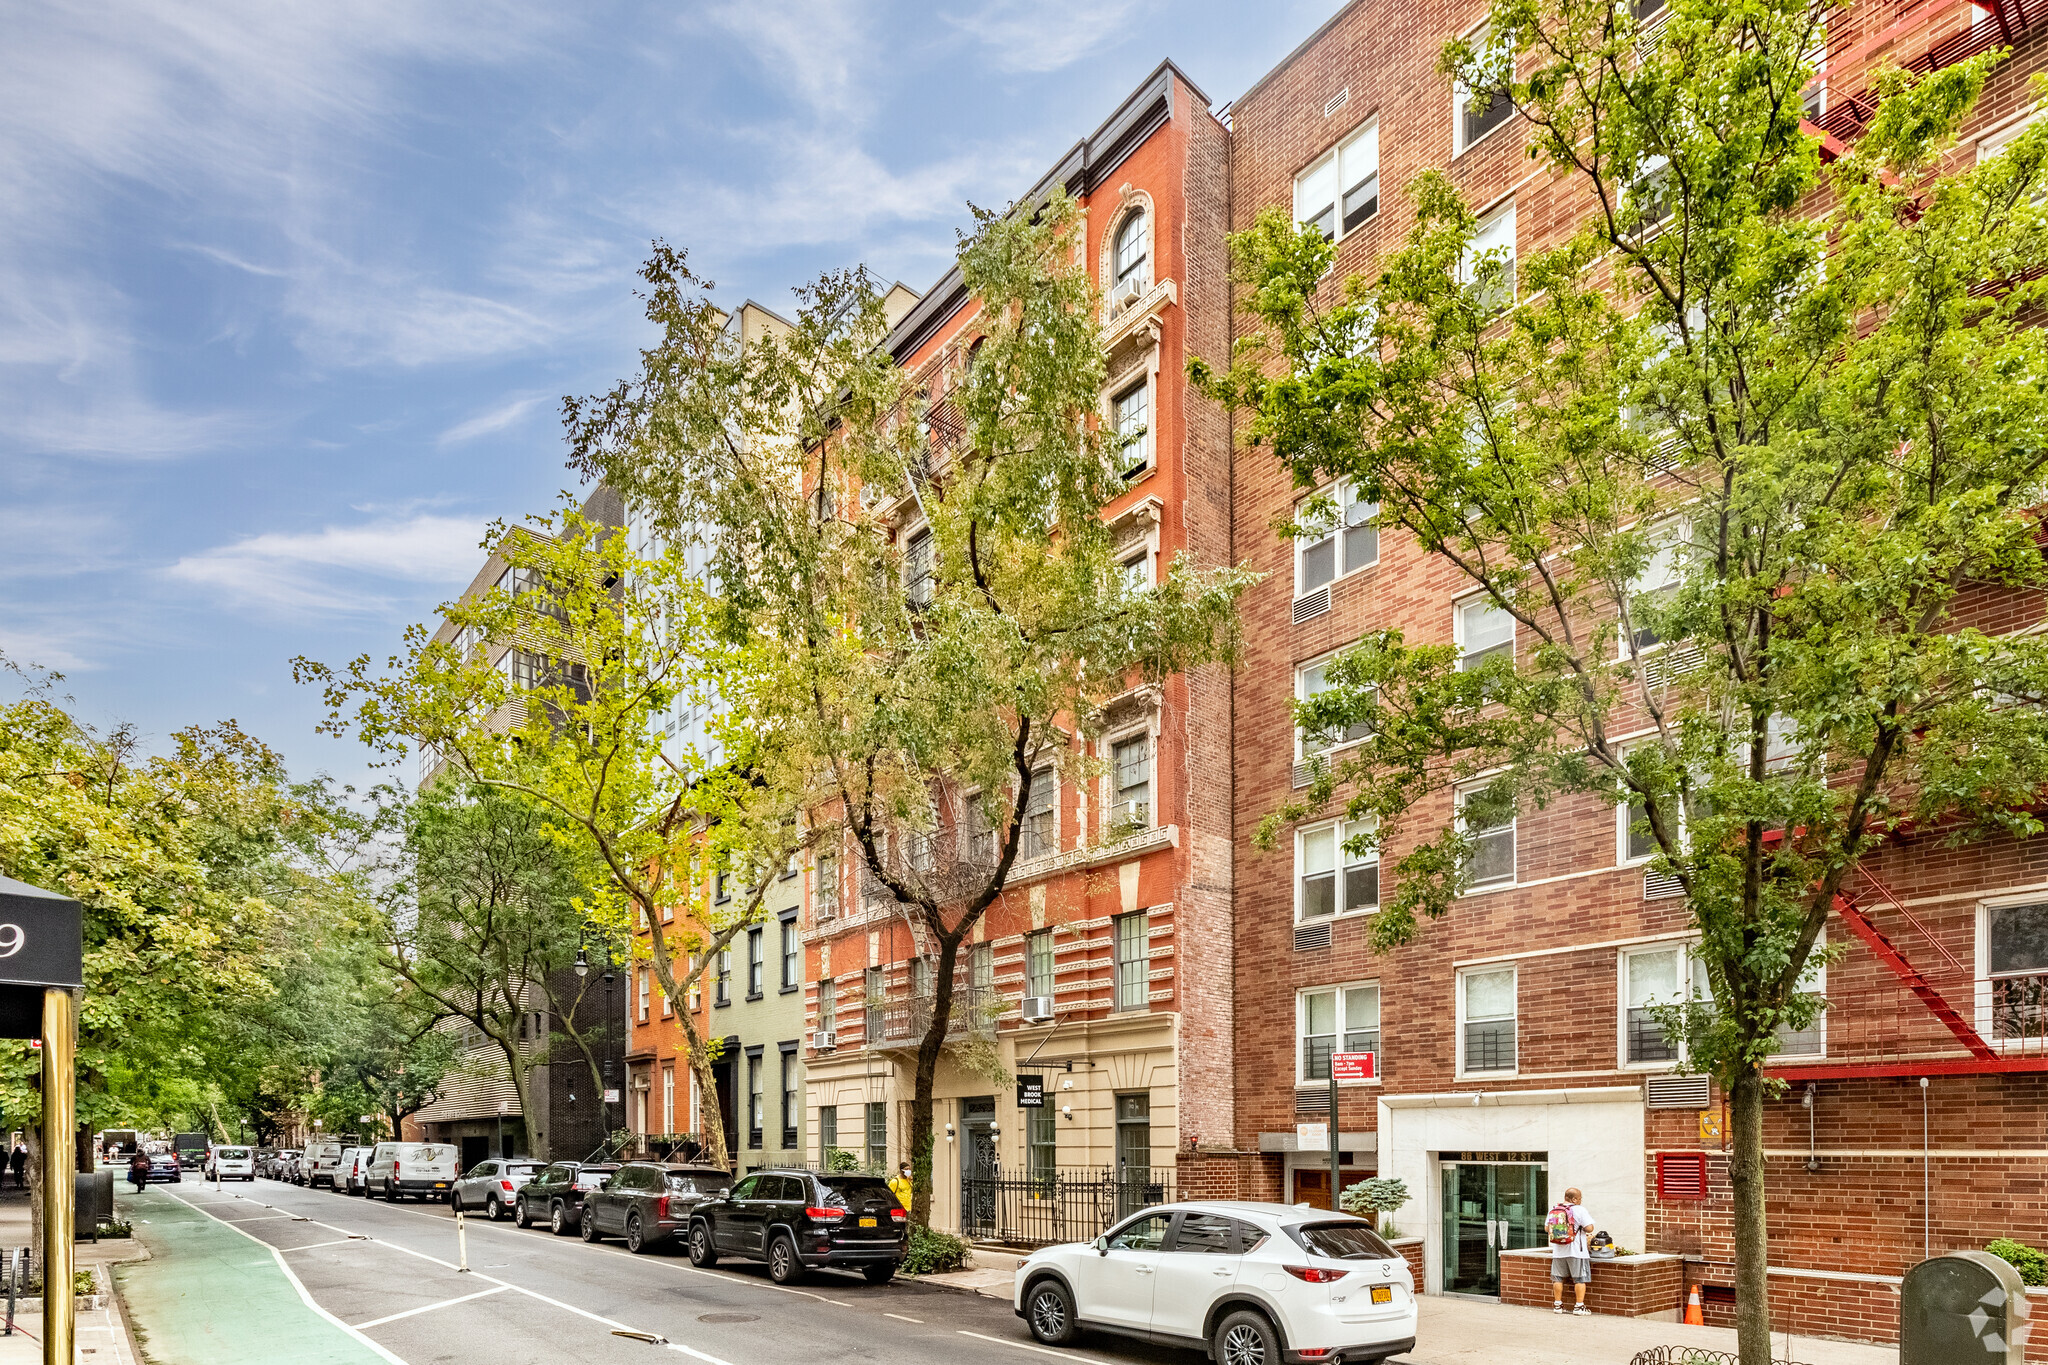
(1253, 1284)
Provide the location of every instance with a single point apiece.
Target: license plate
(1382, 1293)
(440, 1184)
(867, 1222)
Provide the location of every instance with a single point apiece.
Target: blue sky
(290, 293)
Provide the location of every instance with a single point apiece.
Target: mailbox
(1965, 1307)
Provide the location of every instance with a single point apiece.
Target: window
(667, 1006)
(1649, 590)
(1312, 680)
(753, 964)
(668, 1099)
(1810, 1041)
(878, 1134)
(1133, 961)
(719, 891)
(1130, 762)
(1329, 880)
(723, 994)
(1130, 413)
(872, 999)
(1340, 190)
(828, 885)
(1039, 837)
(828, 1005)
(1491, 861)
(1484, 632)
(828, 1134)
(643, 995)
(1041, 1142)
(792, 959)
(1145, 1234)
(1137, 568)
(754, 1097)
(1350, 541)
(1477, 112)
(2016, 961)
(1038, 963)
(917, 569)
(1651, 982)
(1335, 1019)
(921, 978)
(789, 1100)
(1486, 1020)
(696, 982)
(1133, 256)
(1492, 247)
(981, 969)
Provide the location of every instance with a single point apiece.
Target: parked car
(492, 1185)
(273, 1166)
(647, 1202)
(555, 1194)
(795, 1220)
(423, 1170)
(317, 1167)
(348, 1171)
(230, 1163)
(164, 1169)
(1247, 1282)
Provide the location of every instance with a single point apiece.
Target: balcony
(974, 1014)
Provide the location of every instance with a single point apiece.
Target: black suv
(794, 1220)
(555, 1194)
(647, 1202)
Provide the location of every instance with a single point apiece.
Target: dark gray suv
(647, 1202)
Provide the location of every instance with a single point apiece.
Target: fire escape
(1920, 36)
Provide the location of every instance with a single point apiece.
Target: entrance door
(978, 1166)
(475, 1149)
(1489, 1207)
(1134, 1184)
(1312, 1187)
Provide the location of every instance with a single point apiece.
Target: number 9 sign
(11, 939)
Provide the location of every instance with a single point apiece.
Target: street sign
(1966, 1306)
(611, 1096)
(1031, 1092)
(1309, 1136)
(505, 1107)
(1355, 1066)
(42, 937)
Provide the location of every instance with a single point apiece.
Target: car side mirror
(1102, 1245)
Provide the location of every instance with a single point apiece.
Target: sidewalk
(1459, 1331)
(101, 1333)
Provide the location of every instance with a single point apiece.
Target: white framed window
(643, 995)
(1482, 630)
(1311, 680)
(1493, 240)
(919, 564)
(1347, 542)
(1811, 1041)
(1131, 256)
(1331, 1019)
(1039, 837)
(1633, 842)
(1487, 1020)
(1492, 860)
(668, 1099)
(1474, 114)
(1993, 143)
(1130, 779)
(826, 890)
(1131, 415)
(2012, 972)
(1131, 937)
(1657, 581)
(1339, 192)
(1330, 881)
(1136, 567)
(1653, 979)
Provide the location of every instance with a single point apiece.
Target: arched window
(1133, 260)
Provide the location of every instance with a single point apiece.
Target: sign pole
(59, 1203)
(1336, 1161)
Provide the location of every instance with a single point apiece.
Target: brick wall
(1630, 1286)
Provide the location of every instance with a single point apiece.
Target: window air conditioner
(1037, 1009)
(1129, 294)
(1131, 813)
(824, 1040)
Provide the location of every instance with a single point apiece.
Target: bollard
(461, 1243)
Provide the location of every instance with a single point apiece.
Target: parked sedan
(492, 1185)
(794, 1220)
(164, 1170)
(647, 1202)
(555, 1194)
(1253, 1284)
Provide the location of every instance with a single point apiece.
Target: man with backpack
(1567, 1227)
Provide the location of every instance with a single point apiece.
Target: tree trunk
(919, 1140)
(1752, 1239)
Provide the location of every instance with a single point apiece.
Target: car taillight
(394, 1170)
(505, 1185)
(1313, 1352)
(826, 1215)
(661, 1208)
(898, 1216)
(1315, 1274)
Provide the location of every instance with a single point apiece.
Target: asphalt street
(389, 1275)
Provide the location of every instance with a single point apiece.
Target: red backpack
(1560, 1227)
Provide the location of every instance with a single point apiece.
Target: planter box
(1644, 1286)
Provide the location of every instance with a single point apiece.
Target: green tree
(918, 602)
(1736, 459)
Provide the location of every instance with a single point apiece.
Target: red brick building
(1511, 1062)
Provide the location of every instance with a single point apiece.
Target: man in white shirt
(1571, 1258)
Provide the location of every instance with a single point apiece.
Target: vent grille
(1675, 1092)
(1313, 605)
(1666, 454)
(1659, 886)
(1312, 1101)
(1672, 663)
(1301, 775)
(1337, 101)
(1307, 936)
(1681, 1175)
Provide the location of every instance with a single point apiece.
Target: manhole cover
(727, 1317)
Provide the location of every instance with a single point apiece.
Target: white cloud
(339, 570)
(1045, 35)
(490, 421)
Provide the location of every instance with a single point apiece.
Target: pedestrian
(900, 1185)
(17, 1161)
(138, 1170)
(1567, 1227)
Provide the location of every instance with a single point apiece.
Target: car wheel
(702, 1253)
(1049, 1308)
(589, 1229)
(390, 1193)
(636, 1235)
(784, 1265)
(558, 1219)
(494, 1209)
(455, 1202)
(521, 1214)
(1245, 1338)
(880, 1273)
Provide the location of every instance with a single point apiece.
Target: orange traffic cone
(1692, 1309)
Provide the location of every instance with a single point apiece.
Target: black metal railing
(1690, 1355)
(1042, 1208)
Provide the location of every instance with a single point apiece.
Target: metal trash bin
(93, 1193)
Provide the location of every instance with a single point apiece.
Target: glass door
(1489, 1207)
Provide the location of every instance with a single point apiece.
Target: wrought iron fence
(1039, 1209)
(1690, 1355)
(975, 1008)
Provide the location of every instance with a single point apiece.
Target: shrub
(114, 1229)
(2031, 1264)
(842, 1160)
(933, 1253)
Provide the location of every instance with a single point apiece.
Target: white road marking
(445, 1303)
(263, 1218)
(900, 1318)
(339, 1241)
(1027, 1346)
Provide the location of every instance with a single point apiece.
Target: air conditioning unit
(1131, 813)
(1037, 1009)
(824, 1040)
(1129, 295)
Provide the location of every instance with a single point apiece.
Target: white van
(348, 1172)
(424, 1170)
(230, 1163)
(317, 1168)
